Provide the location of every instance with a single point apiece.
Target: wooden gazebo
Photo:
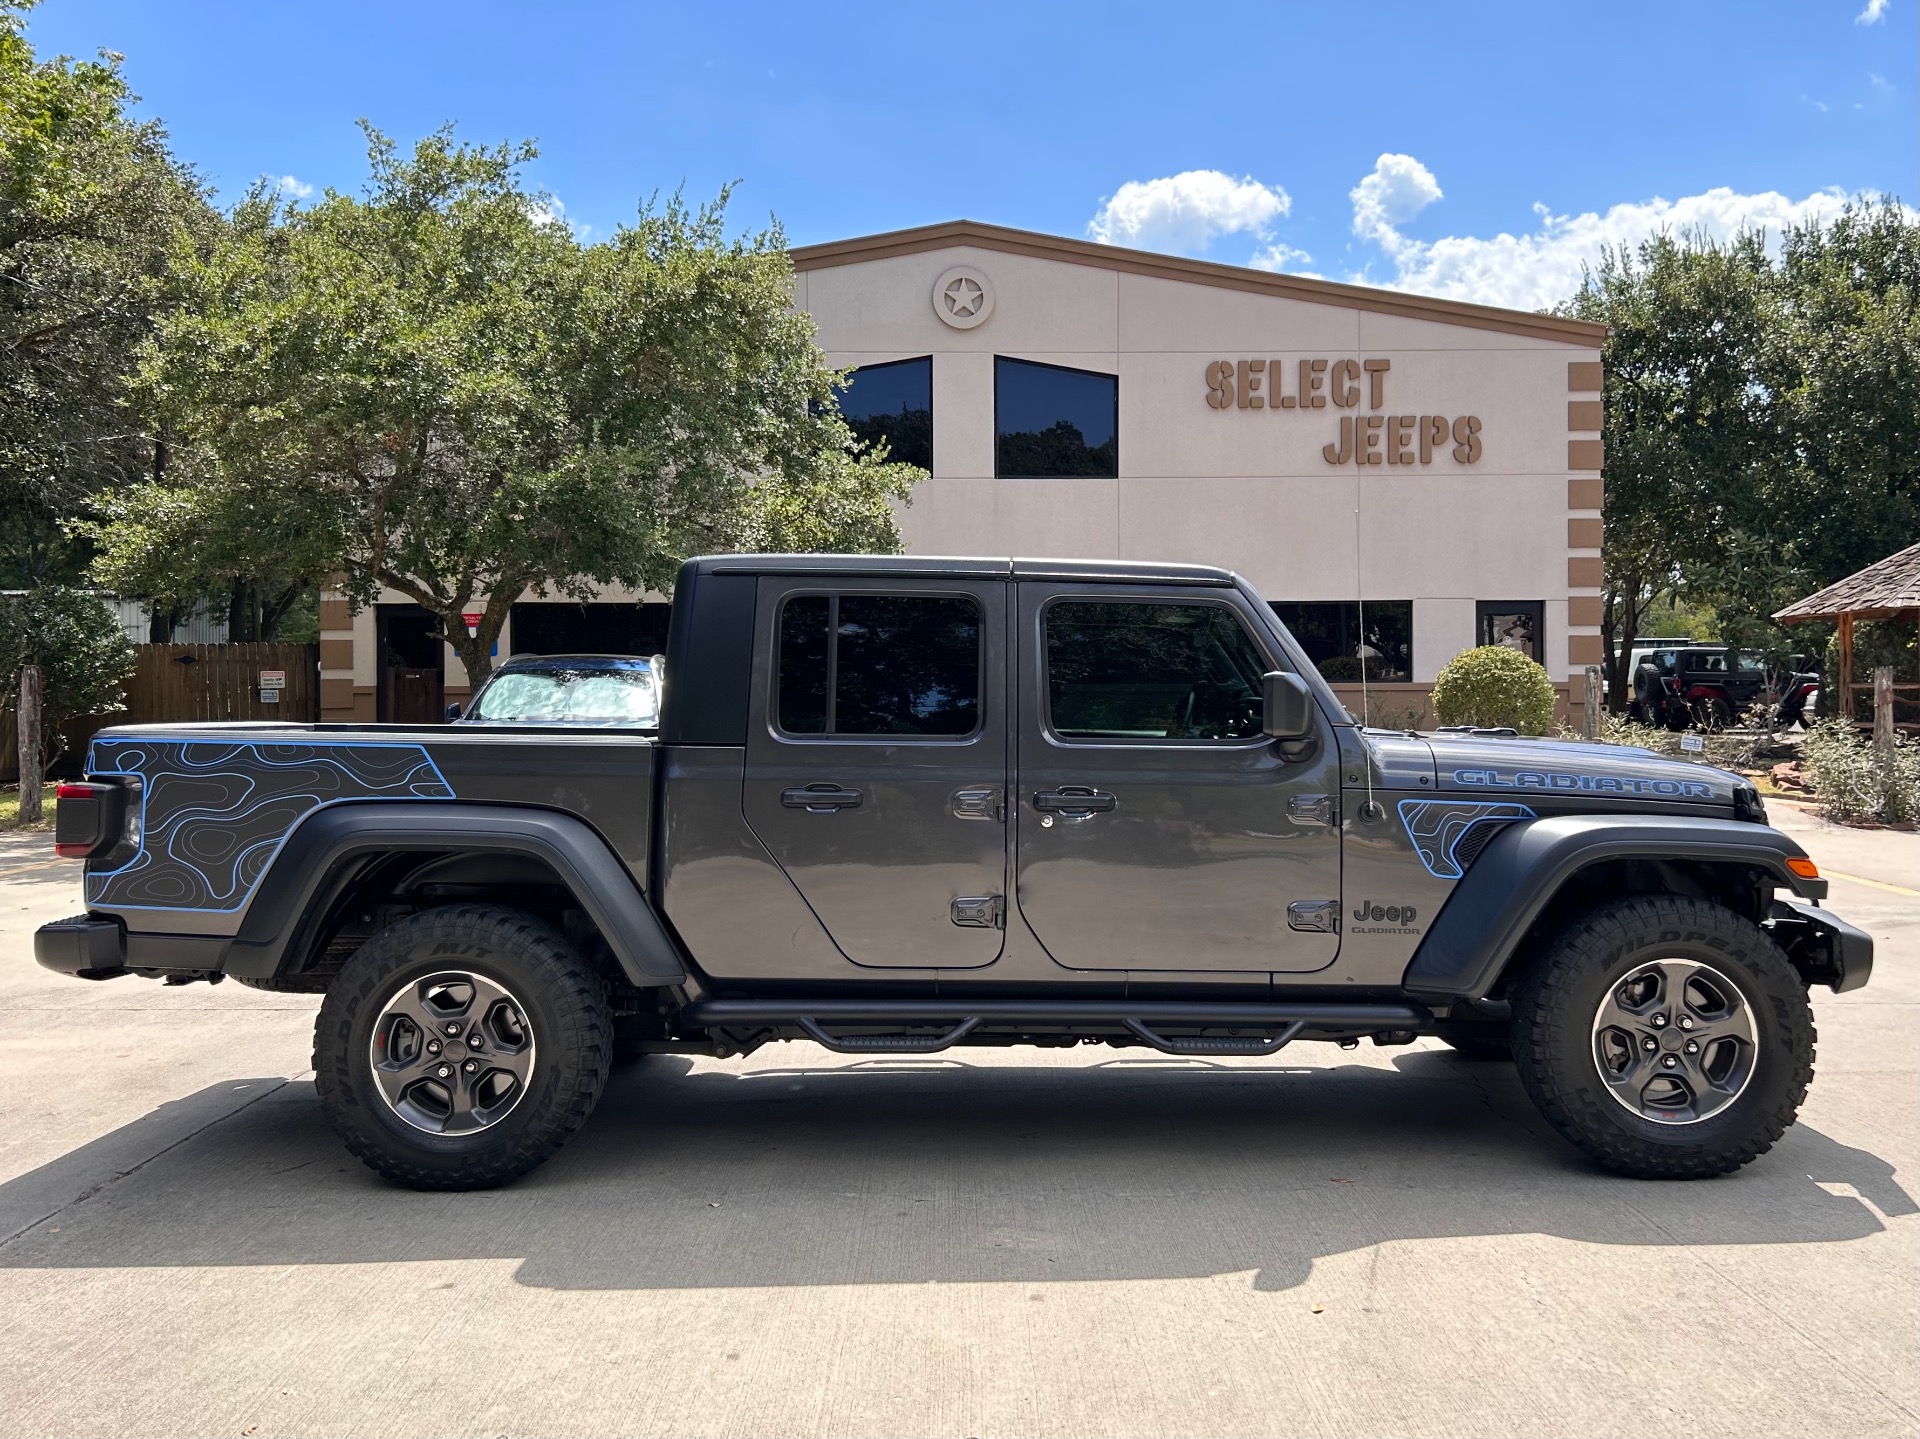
(1887, 590)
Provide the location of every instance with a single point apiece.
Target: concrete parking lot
(1387, 1241)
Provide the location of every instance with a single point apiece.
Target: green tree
(1845, 367)
(432, 387)
(92, 209)
(84, 658)
(1687, 422)
(1762, 421)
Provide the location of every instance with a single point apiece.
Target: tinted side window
(879, 665)
(803, 665)
(1118, 670)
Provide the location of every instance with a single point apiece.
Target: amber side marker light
(1805, 868)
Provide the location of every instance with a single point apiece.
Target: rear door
(1158, 828)
(877, 761)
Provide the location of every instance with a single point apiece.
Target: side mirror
(453, 712)
(1289, 708)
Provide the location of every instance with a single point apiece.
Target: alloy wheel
(1674, 1041)
(452, 1053)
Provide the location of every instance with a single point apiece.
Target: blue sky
(1473, 150)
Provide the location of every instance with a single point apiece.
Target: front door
(1158, 827)
(877, 762)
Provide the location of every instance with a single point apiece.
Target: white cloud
(1398, 188)
(1188, 211)
(1875, 12)
(288, 185)
(1280, 256)
(1544, 266)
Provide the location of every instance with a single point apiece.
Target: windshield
(570, 696)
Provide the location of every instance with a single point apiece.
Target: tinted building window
(1050, 421)
(1513, 624)
(1119, 671)
(894, 403)
(1338, 636)
(879, 665)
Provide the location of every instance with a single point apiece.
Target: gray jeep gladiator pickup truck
(901, 804)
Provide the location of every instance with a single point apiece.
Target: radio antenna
(1360, 605)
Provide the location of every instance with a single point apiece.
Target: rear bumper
(1823, 947)
(83, 946)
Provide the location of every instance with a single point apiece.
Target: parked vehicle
(1710, 686)
(904, 804)
(616, 691)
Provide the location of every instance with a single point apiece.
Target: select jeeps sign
(1371, 439)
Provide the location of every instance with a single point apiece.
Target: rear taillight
(90, 819)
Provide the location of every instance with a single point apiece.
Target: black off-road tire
(1480, 1042)
(1554, 1009)
(565, 1006)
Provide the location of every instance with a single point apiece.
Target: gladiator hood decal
(1520, 769)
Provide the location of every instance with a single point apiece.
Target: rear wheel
(1667, 1037)
(460, 1047)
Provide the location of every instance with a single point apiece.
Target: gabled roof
(1194, 272)
(1878, 592)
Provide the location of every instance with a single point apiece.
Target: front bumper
(83, 946)
(1823, 947)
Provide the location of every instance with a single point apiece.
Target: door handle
(1073, 799)
(820, 798)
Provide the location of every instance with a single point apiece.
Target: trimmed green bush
(1494, 686)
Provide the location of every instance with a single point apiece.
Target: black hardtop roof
(963, 567)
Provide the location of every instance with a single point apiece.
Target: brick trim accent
(1584, 414)
(336, 654)
(1586, 494)
(1584, 573)
(1585, 376)
(1584, 454)
(335, 615)
(1586, 612)
(336, 694)
(1584, 534)
(1584, 650)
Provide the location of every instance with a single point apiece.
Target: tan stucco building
(1404, 477)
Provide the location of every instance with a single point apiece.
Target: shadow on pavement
(925, 1171)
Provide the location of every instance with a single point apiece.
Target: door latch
(820, 798)
(1311, 809)
(1074, 801)
(1316, 916)
(985, 911)
(976, 804)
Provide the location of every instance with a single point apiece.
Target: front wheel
(1667, 1037)
(460, 1047)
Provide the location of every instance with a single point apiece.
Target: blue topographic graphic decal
(1436, 827)
(213, 814)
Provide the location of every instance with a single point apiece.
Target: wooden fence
(223, 682)
(185, 682)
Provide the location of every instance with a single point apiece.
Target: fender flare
(1490, 910)
(300, 876)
